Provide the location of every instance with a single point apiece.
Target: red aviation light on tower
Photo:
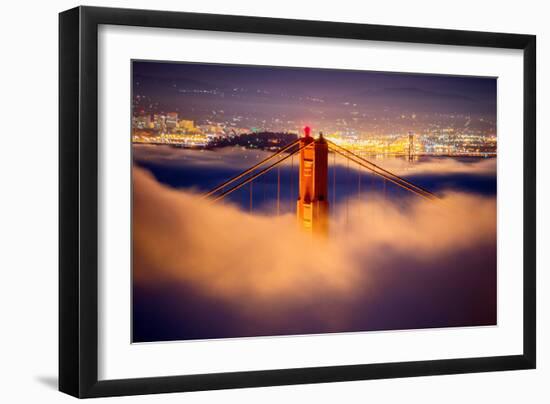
(307, 131)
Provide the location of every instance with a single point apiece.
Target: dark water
(458, 289)
(344, 181)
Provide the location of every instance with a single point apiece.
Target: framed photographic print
(251, 201)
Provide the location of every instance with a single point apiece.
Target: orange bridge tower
(312, 205)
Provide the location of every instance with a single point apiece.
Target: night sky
(318, 95)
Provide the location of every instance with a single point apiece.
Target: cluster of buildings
(170, 128)
(420, 143)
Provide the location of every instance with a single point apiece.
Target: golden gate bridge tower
(312, 204)
(312, 207)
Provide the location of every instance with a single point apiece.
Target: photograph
(274, 201)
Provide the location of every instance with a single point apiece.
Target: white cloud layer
(240, 257)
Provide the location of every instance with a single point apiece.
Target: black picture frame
(78, 201)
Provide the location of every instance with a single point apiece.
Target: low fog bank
(382, 267)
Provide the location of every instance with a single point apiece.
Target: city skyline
(350, 103)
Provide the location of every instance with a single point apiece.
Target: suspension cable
(359, 184)
(253, 177)
(239, 176)
(405, 185)
(291, 182)
(251, 183)
(334, 178)
(348, 186)
(388, 173)
(359, 173)
(278, 190)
